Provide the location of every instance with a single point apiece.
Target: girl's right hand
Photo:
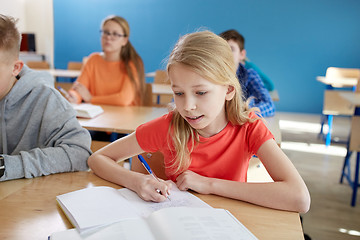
(71, 97)
(83, 91)
(148, 189)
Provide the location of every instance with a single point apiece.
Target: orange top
(108, 82)
(225, 155)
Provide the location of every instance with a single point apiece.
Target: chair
(161, 77)
(334, 104)
(85, 59)
(96, 145)
(155, 161)
(38, 64)
(64, 85)
(148, 96)
(353, 145)
(74, 65)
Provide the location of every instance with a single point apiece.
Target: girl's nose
(190, 104)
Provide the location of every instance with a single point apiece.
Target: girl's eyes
(198, 93)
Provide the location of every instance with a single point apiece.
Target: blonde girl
(209, 138)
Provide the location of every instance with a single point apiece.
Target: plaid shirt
(253, 87)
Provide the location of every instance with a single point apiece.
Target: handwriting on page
(178, 199)
(175, 202)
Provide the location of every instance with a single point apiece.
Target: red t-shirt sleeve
(152, 136)
(257, 134)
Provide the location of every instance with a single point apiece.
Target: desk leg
(346, 171)
(356, 180)
(328, 135)
(346, 167)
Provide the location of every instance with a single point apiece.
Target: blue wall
(291, 41)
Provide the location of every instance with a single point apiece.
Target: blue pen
(148, 169)
(63, 92)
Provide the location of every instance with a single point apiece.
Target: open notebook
(91, 208)
(177, 223)
(86, 110)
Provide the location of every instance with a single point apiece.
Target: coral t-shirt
(225, 155)
(108, 82)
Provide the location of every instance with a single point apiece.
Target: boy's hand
(190, 180)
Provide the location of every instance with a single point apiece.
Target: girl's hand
(71, 97)
(83, 91)
(148, 187)
(190, 180)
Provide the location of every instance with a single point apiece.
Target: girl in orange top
(115, 76)
(208, 139)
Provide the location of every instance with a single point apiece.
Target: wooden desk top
(127, 119)
(150, 74)
(338, 82)
(122, 119)
(29, 209)
(162, 89)
(63, 72)
(165, 89)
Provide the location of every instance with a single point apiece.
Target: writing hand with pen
(73, 97)
(83, 91)
(153, 188)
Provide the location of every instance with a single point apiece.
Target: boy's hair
(210, 56)
(10, 37)
(129, 56)
(235, 36)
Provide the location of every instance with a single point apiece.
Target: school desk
(150, 74)
(160, 90)
(338, 82)
(29, 209)
(122, 119)
(333, 104)
(66, 73)
(126, 119)
(353, 146)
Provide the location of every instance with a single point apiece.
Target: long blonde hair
(129, 55)
(210, 56)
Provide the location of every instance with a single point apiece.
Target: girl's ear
(18, 65)
(125, 41)
(230, 93)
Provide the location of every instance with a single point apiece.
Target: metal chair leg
(346, 165)
(356, 180)
(328, 135)
(323, 119)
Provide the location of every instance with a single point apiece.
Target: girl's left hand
(190, 180)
